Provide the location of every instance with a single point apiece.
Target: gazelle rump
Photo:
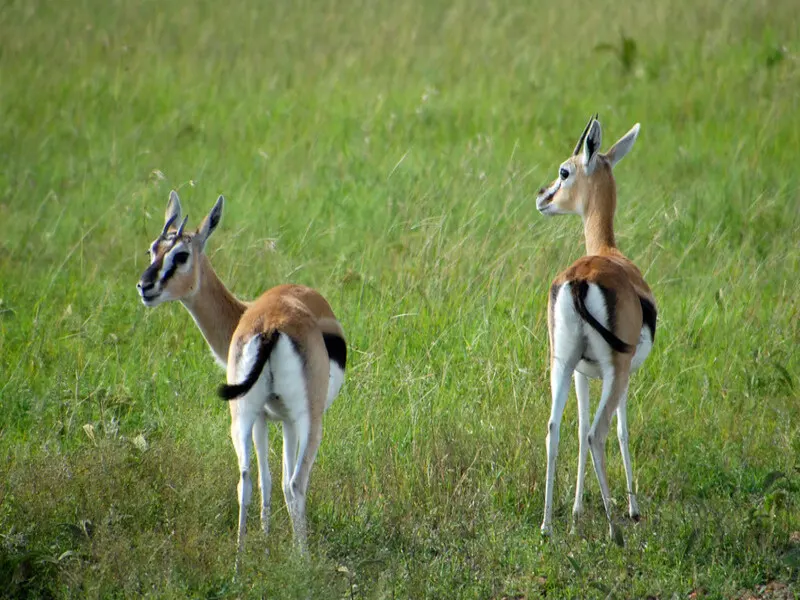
(601, 318)
(285, 355)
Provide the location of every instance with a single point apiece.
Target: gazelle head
(176, 256)
(585, 179)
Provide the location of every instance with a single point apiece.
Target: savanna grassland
(389, 154)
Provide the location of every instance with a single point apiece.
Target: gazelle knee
(295, 488)
(552, 432)
(245, 488)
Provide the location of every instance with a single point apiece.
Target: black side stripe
(170, 272)
(610, 297)
(579, 290)
(268, 341)
(337, 349)
(554, 293)
(649, 315)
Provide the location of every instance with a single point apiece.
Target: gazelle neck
(598, 219)
(215, 310)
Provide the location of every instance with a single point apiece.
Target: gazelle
(601, 317)
(285, 355)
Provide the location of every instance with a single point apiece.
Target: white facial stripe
(545, 197)
(168, 265)
(569, 180)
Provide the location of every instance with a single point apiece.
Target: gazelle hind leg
(622, 436)
(289, 462)
(560, 373)
(261, 439)
(295, 442)
(582, 393)
(242, 436)
(614, 384)
(310, 437)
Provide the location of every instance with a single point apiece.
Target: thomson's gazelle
(601, 317)
(285, 355)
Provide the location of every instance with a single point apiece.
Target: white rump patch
(335, 381)
(642, 348)
(288, 397)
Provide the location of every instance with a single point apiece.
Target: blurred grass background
(389, 154)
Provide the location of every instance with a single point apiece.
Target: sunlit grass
(388, 154)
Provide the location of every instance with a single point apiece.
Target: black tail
(579, 290)
(337, 349)
(231, 392)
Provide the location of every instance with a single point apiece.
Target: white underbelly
(590, 366)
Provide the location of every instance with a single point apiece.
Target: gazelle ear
(623, 146)
(579, 145)
(173, 212)
(591, 146)
(211, 221)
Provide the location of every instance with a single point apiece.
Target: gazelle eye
(181, 258)
(564, 173)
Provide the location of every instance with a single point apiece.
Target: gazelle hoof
(616, 535)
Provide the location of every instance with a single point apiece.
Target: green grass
(388, 154)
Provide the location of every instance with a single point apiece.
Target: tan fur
(615, 272)
(300, 312)
(179, 270)
(215, 309)
(588, 188)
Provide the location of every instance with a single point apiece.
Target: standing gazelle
(601, 317)
(285, 355)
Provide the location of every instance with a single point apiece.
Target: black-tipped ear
(211, 221)
(591, 146)
(173, 212)
(579, 145)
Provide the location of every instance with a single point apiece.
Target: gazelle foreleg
(622, 436)
(582, 393)
(615, 383)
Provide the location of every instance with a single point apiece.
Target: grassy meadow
(389, 155)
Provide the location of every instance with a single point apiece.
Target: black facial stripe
(150, 275)
(173, 265)
(170, 272)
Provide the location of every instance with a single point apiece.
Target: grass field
(389, 154)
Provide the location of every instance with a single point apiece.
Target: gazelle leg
(582, 392)
(261, 438)
(622, 436)
(560, 373)
(614, 383)
(242, 436)
(310, 437)
(289, 461)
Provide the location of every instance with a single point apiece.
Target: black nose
(542, 191)
(148, 280)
